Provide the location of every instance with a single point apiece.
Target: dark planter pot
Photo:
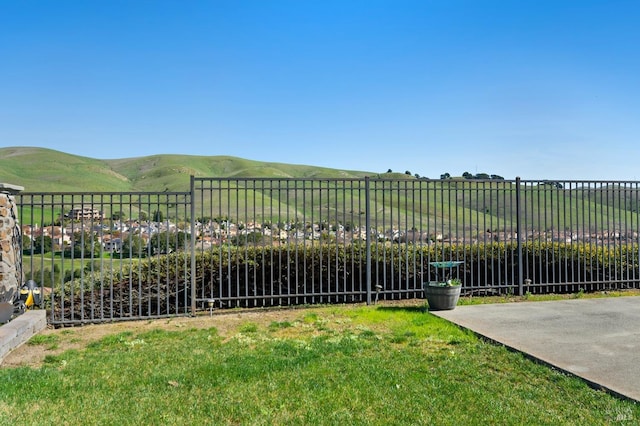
(441, 298)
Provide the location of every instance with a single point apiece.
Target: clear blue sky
(537, 89)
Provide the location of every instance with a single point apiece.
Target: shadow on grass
(420, 309)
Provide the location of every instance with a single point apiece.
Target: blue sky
(536, 89)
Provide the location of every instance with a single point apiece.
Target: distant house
(113, 245)
(28, 231)
(84, 213)
(57, 234)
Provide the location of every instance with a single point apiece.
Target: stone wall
(10, 245)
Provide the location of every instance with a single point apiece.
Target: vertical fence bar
(192, 245)
(367, 219)
(519, 238)
(636, 270)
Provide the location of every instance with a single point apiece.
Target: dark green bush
(253, 275)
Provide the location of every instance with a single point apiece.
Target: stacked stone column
(10, 244)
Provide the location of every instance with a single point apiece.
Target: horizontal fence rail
(250, 242)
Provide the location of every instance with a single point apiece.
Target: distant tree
(134, 246)
(158, 216)
(27, 247)
(389, 171)
(250, 238)
(482, 176)
(167, 242)
(83, 245)
(119, 215)
(445, 176)
(143, 216)
(39, 245)
(497, 177)
(467, 175)
(417, 176)
(407, 173)
(555, 184)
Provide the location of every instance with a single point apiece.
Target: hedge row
(266, 276)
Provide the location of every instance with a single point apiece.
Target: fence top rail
(577, 181)
(104, 193)
(412, 179)
(282, 179)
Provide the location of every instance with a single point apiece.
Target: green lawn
(34, 266)
(336, 365)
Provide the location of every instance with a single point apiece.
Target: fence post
(519, 238)
(367, 221)
(192, 198)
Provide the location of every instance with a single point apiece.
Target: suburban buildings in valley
(112, 235)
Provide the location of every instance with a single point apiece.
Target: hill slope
(442, 202)
(40, 169)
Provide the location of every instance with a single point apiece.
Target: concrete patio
(595, 339)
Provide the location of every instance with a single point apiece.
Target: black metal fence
(250, 242)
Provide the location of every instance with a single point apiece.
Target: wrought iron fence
(89, 252)
(248, 242)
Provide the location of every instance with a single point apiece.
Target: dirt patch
(226, 322)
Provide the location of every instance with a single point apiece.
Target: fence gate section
(277, 242)
(108, 256)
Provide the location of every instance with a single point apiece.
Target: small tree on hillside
(158, 216)
(119, 215)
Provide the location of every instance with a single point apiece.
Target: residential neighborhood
(113, 235)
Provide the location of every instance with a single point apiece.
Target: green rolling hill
(39, 170)
(443, 205)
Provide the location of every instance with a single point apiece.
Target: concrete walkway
(21, 329)
(596, 339)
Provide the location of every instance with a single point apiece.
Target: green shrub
(253, 275)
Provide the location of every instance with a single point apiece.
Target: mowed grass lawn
(333, 365)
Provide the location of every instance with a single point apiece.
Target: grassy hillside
(39, 170)
(171, 172)
(400, 198)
